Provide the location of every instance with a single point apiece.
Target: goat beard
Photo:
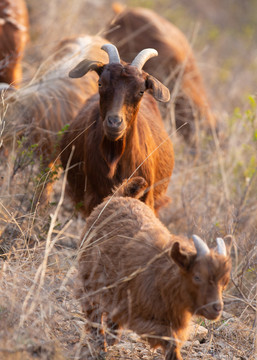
(112, 153)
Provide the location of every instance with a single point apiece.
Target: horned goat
(118, 133)
(141, 277)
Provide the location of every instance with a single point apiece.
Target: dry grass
(213, 193)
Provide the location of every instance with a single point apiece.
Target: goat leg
(173, 353)
(110, 331)
(94, 329)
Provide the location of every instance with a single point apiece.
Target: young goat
(137, 28)
(119, 133)
(141, 277)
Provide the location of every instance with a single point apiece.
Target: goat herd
(118, 156)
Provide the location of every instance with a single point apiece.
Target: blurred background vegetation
(223, 35)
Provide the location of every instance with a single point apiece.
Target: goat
(13, 38)
(118, 133)
(38, 112)
(141, 277)
(134, 29)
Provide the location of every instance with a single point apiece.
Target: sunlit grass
(213, 194)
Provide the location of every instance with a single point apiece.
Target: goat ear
(134, 187)
(85, 66)
(181, 258)
(159, 91)
(228, 239)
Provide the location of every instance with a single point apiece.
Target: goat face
(209, 277)
(121, 88)
(206, 276)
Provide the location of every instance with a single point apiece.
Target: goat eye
(141, 93)
(197, 278)
(99, 84)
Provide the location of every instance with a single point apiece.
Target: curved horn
(143, 56)
(201, 248)
(221, 247)
(6, 86)
(112, 52)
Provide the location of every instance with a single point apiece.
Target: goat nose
(217, 307)
(114, 120)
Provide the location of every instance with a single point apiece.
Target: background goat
(13, 38)
(36, 114)
(142, 277)
(119, 133)
(138, 28)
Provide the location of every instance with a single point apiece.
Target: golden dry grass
(213, 193)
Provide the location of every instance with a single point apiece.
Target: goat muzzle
(114, 121)
(212, 311)
(114, 127)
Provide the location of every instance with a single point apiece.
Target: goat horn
(201, 248)
(221, 247)
(112, 52)
(6, 86)
(143, 56)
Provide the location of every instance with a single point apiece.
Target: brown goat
(137, 28)
(38, 112)
(41, 109)
(13, 38)
(119, 133)
(140, 277)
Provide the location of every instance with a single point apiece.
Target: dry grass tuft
(213, 191)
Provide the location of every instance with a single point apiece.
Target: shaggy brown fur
(143, 278)
(40, 110)
(138, 145)
(138, 28)
(13, 38)
(37, 113)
